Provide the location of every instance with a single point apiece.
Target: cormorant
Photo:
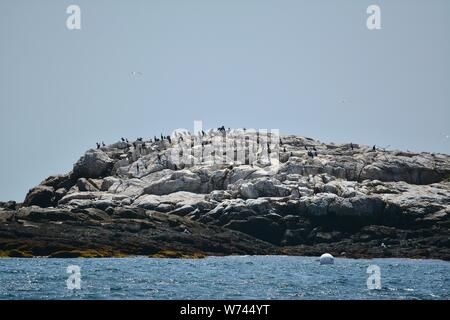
(103, 144)
(126, 140)
(98, 145)
(284, 149)
(314, 148)
(315, 153)
(162, 137)
(123, 140)
(169, 139)
(306, 148)
(374, 148)
(351, 145)
(281, 142)
(310, 154)
(137, 167)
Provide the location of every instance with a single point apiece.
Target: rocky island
(290, 195)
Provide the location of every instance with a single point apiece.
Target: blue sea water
(233, 277)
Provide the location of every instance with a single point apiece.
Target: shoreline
(187, 257)
(173, 254)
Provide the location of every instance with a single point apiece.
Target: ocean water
(234, 277)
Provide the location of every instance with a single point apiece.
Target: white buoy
(326, 258)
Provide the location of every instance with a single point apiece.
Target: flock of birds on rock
(140, 145)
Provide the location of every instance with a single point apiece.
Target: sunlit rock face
(290, 191)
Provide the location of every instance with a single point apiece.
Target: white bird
(136, 73)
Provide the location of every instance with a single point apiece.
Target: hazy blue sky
(285, 64)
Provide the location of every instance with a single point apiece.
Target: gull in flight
(136, 73)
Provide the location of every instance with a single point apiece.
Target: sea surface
(234, 277)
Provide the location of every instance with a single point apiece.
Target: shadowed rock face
(353, 201)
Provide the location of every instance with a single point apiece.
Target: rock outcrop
(313, 197)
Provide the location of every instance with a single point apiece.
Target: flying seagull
(136, 73)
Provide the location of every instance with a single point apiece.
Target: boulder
(9, 205)
(264, 187)
(84, 184)
(93, 164)
(183, 180)
(41, 196)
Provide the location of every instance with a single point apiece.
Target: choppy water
(246, 277)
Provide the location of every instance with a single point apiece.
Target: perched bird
(123, 140)
(98, 145)
(374, 148)
(351, 145)
(103, 144)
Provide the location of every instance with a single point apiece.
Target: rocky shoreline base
(93, 233)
